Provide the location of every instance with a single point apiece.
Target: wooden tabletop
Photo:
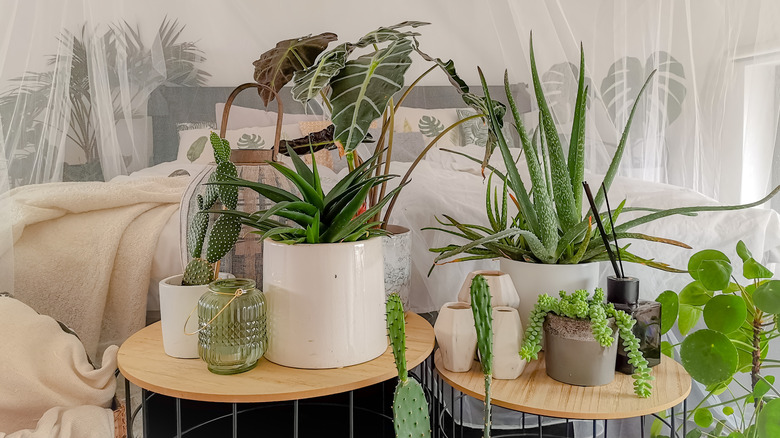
(536, 393)
(141, 360)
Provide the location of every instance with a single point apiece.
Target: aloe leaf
(577, 139)
(313, 230)
(343, 218)
(308, 83)
(477, 160)
(309, 193)
(362, 230)
(615, 164)
(347, 181)
(341, 231)
(583, 246)
(685, 210)
(362, 89)
(301, 168)
(537, 248)
(561, 181)
(543, 205)
(489, 206)
(629, 257)
(278, 231)
(338, 204)
(276, 67)
(515, 183)
(274, 194)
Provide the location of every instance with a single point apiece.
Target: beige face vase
(507, 339)
(456, 336)
(502, 289)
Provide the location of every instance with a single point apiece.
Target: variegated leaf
(308, 83)
(389, 33)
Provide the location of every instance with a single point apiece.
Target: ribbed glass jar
(232, 336)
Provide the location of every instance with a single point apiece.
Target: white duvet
(447, 184)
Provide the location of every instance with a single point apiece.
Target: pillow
(430, 123)
(407, 146)
(194, 146)
(242, 117)
(475, 131)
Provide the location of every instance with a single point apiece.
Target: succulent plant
(314, 217)
(224, 232)
(483, 322)
(410, 408)
(578, 306)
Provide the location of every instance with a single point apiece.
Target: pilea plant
(741, 321)
(224, 231)
(483, 322)
(578, 306)
(410, 408)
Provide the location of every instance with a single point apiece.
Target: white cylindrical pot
(326, 303)
(507, 339)
(397, 252)
(534, 279)
(177, 303)
(456, 336)
(502, 289)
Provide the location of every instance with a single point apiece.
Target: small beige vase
(456, 336)
(507, 339)
(502, 289)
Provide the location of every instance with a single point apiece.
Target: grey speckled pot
(574, 356)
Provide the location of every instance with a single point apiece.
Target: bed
(443, 183)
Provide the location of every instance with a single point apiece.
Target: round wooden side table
(536, 393)
(142, 361)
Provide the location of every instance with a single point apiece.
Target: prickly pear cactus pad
(198, 271)
(223, 236)
(410, 411)
(483, 322)
(410, 408)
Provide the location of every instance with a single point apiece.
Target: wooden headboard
(169, 106)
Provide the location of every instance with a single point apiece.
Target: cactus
(410, 408)
(483, 322)
(224, 233)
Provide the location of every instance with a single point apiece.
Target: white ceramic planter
(534, 279)
(177, 302)
(507, 339)
(325, 303)
(502, 289)
(397, 252)
(456, 336)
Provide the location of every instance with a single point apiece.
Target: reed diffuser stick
(614, 236)
(595, 214)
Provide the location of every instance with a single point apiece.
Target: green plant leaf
(751, 270)
(196, 149)
(743, 252)
(725, 313)
(763, 386)
(709, 356)
(276, 67)
(222, 237)
(702, 417)
(301, 168)
(309, 193)
(695, 294)
(767, 297)
(689, 316)
(227, 194)
(715, 274)
(666, 348)
(274, 194)
(768, 421)
(670, 305)
(728, 410)
(363, 88)
(308, 83)
(695, 261)
(577, 139)
(655, 429)
(221, 148)
(695, 433)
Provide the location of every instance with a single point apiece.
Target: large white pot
(325, 303)
(177, 303)
(534, 279)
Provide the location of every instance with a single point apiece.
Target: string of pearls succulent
(578, 306)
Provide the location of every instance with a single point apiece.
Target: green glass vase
(232, 326)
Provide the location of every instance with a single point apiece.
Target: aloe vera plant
(549, 226)
(223, 234)
(410, 408)
(314, 216)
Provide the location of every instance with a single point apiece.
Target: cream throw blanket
(83, 252)
(48, 388)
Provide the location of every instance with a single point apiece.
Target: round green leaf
(708, 254)
(768, 421)
(751, 270)
(767, 297)
(689, 316)
(670, 305)
(695, 294)
(743, 252)
(695, 433)
(709, 356)
(725, 313)
(715, 274)
(763, 386)
(667, 349)
(728, 410)
(736, 434)
(702, 417)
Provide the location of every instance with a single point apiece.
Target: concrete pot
(574, 356)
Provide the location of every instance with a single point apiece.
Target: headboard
(169, 106)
